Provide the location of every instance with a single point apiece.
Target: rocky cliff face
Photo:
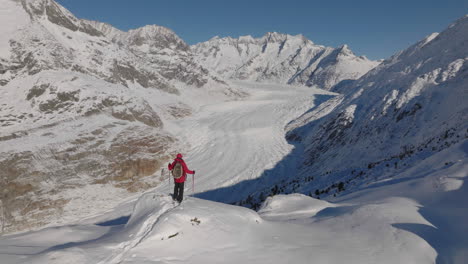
(281, 58)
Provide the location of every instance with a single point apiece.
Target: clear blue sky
(373, 28)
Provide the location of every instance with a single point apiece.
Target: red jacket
(184, 167)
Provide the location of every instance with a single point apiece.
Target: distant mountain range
(281, 58)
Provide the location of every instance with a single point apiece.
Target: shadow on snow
(118, 221)
(284, 170)
(449, 215)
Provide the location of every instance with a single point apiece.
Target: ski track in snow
(123, 248)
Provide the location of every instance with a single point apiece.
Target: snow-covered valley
(237, 141)
(388, 222)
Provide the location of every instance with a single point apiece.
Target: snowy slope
(281, 58)
(12, 18)
(77, 109)
(410, 107)
(372, 226)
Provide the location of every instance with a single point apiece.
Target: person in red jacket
(179, 183)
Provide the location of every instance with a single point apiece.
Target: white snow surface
(235, 141)
(12, 18)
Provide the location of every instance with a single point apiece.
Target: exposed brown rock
(179, 111)
(121, 73)
(127, 161)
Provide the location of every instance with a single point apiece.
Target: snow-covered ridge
(212, 232)
(55, 13)
(107, 29)
(268, 37)
(282, 58)
(154, 35)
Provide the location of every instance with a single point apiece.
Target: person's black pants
(178, 191)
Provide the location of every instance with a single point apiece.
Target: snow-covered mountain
(52, 38)
(281, 58)
(83, 103)
(168, 54)
(409, 108)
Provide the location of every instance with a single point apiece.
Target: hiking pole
(169, 179)
(193, 183)
(162, 174)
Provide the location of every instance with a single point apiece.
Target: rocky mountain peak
(274, 37)
(152, 31)
(55, 13)
(156, 36)
(344, 50)
(37, 7)
(246, 39)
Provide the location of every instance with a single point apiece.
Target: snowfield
(407, 220)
